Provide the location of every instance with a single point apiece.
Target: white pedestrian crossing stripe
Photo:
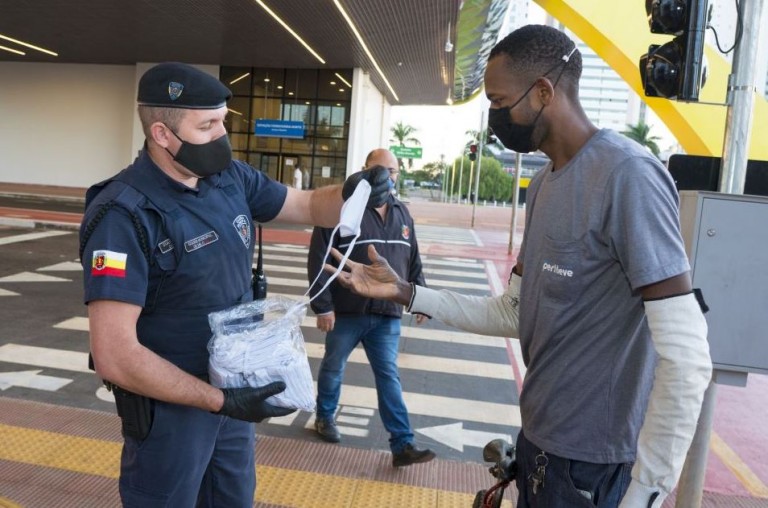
(31, 236)
(67, 266)
(32, 277)
(358, 403)
(5, 292)
(433, 283)
(428, 272)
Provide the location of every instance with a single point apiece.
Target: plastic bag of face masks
(256, 343)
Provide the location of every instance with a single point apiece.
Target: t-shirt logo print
(243, 228)
(405, 232)
(174, 90)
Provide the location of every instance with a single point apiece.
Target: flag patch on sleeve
(107, 262)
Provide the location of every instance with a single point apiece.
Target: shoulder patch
(243, 227)
(108, 263)
(405, 231)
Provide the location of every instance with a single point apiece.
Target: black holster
(135, 411)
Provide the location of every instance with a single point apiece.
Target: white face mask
(349, 225)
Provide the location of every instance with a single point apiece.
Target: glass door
(270, 164)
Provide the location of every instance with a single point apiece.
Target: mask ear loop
(325, 259)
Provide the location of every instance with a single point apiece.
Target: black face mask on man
(515, 136)
(205, 159)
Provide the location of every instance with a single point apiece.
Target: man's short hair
(535, 50)
(171, 117)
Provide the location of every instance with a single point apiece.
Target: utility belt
(136, 411)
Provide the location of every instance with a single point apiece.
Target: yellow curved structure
(617, 30)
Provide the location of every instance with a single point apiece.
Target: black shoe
(411, 455)
(327, 430)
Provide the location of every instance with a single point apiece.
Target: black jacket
(394, 239)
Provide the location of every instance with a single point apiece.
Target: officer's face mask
(515, 136)
(205, 159)
(350, 219)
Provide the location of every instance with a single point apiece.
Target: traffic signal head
(677, 69)
(472, 152)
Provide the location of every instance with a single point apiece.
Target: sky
(441, 129)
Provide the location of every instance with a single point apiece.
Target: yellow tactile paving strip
(49, 451)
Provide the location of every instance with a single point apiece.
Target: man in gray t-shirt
(612, 335)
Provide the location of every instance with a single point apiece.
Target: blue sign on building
(280, 129)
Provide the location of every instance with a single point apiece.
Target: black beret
(178, 85)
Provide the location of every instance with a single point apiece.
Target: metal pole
(453, 176)
(481, 141)
(690, 488)
(515, 199)
(741, 99)
(444, 180)
(461, 175)
(738, 127)
(469, 180)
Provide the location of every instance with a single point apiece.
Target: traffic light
(675, 70)
(472, 152)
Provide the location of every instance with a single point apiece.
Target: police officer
(163, 243)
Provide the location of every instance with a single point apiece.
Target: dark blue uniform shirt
(177, 252)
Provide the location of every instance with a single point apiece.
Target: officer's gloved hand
(248, 403)
(378, 177)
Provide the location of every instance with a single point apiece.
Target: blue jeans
(380, 336)
(568, 483)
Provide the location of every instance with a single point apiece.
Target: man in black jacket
(349, 319)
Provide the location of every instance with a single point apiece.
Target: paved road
(460, 388)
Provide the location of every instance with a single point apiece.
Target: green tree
(642, 134)
(495, 184)
(401, 134)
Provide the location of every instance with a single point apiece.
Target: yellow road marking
(284, 487)
(732, 461)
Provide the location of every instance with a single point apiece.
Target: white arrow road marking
(32, 277)
(456, 437)
(32, 379)
(31, 236)
(5, 292)
(67, 266)
(44, 357)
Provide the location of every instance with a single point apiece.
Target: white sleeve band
(477, 314)
(684, 368)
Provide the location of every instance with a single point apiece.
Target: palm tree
(402, 133)
(641, 133)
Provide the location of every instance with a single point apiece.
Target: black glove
(378, 177)
(248, 403)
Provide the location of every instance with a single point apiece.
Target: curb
(49, 197)
(32, 224)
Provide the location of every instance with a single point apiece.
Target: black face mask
(205, 159)
(515, 136)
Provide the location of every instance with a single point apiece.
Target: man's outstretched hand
(377, 280)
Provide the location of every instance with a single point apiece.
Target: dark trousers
(190, 458)
(568, 483)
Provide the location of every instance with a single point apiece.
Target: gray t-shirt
(596, 230)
